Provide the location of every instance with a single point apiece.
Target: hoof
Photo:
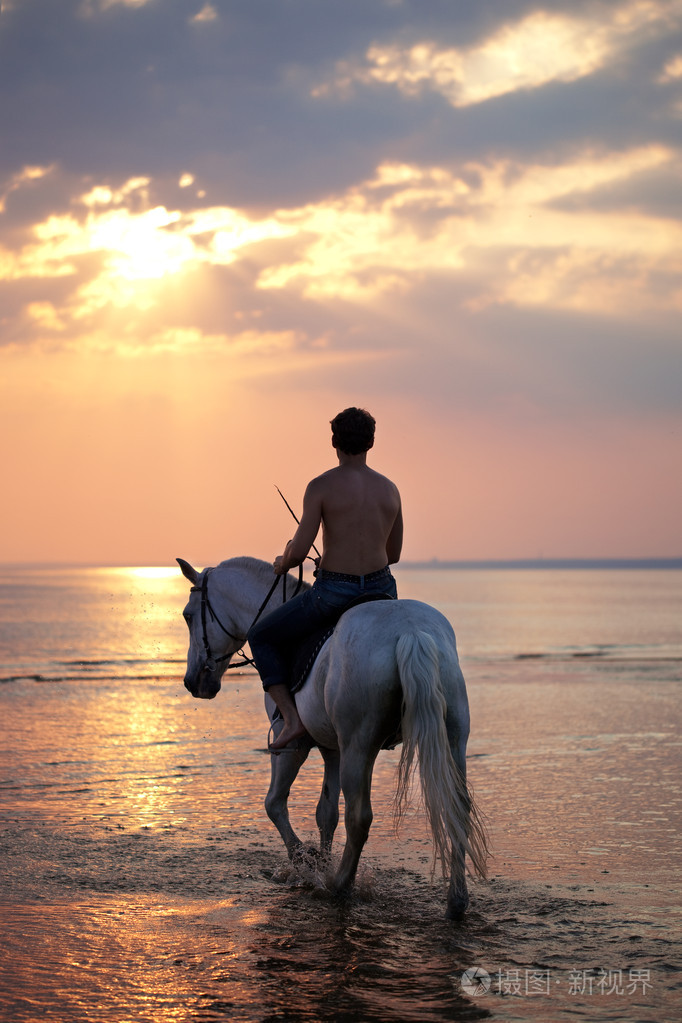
(305, 855)
(340, 891)
(456, 909)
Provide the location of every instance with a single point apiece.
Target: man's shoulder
(382, 481)
(338, 477)
(320, 486)
(321, 481)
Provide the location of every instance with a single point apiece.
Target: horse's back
(379, 626)
(356, 677)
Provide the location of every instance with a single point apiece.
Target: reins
(207, 607)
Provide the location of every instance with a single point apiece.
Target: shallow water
(141, 880)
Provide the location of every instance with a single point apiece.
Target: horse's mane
(255, 565)
(261, 571)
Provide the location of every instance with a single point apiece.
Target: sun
(141, 246)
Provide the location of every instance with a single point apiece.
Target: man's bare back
(360, 512)
(361, 518)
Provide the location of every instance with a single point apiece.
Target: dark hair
(353, 431)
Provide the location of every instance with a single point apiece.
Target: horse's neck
(243, 584)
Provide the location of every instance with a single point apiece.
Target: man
(362, 529)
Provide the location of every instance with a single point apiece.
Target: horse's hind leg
(356, 781)
(327, 814)
(458, 896)
(284, 769)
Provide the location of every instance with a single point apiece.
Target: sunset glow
(469, 226)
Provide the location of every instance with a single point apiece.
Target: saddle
(304, 657)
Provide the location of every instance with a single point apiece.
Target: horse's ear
(187, 570)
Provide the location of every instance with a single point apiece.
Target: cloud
(16, 181)
(122, 89)
(206, 15)
(542, 47)
(502, 222)
(672, 70)
(146, 90)
(400, 275)
(201, 179)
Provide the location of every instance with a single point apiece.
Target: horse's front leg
(356, 782)
(284, 769)
(327, 814)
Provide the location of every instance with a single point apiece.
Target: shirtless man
(362, 529)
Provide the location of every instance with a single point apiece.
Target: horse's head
(210, 644)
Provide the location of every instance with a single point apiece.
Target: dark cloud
(574, 363)
(548, 363)
(133, 90)
(654, 192)
(31, 201)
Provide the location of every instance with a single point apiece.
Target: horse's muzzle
(202, 688)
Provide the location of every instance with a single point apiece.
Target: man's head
(353, 431)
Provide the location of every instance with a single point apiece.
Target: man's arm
(394, 544)
(297, 549)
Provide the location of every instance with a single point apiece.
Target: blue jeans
(275, 637)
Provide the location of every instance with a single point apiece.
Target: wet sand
(141, 879)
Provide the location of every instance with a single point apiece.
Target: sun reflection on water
(144, 572)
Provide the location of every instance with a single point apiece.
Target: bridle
(208, 609)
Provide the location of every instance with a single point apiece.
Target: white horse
(389, 673)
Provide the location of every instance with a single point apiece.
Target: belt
(342, 577)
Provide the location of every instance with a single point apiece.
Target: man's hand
(282, 563)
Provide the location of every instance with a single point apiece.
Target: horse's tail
(450, 809)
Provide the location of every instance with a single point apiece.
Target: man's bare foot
(289, 734)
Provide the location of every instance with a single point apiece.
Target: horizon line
(430, 563)
(580, 562)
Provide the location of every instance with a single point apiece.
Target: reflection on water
(295, 960)
(90, 623)
(163, 930)
(141, 879)
(561, 614)
(95, 623)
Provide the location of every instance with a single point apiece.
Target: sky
(223, 222)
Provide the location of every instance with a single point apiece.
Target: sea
(141, 880)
